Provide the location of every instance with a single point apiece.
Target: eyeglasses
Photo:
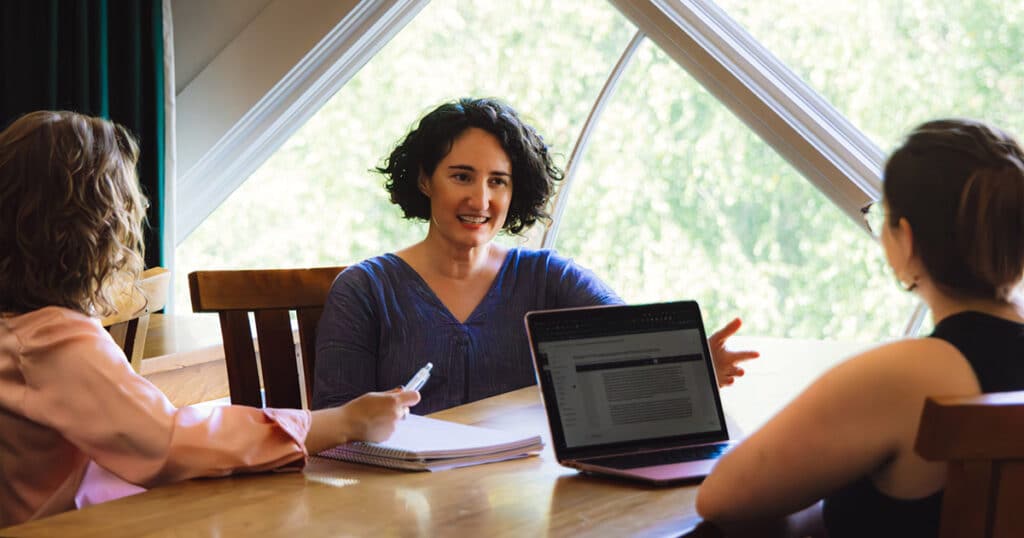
(874, 218)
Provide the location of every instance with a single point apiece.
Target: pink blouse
(70, 403)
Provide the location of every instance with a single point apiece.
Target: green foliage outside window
(675, 198)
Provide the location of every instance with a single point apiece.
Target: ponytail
(990, 226)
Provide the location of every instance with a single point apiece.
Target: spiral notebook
(428, 444)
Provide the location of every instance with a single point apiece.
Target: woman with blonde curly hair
(77, 424)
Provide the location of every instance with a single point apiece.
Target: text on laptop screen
(630, 386)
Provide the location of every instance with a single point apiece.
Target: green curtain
(97, 57)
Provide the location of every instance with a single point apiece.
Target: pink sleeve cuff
(295, 423)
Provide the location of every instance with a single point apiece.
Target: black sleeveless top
(995, 349)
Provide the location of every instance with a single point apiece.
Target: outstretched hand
(726, 360)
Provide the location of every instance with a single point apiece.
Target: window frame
(807, 131)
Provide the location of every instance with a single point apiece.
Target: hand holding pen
(418, 380)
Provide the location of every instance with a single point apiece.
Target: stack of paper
(428, 444)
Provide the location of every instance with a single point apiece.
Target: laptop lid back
(625, 378)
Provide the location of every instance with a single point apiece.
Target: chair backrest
(129, 325)
(982, 438)
(270, 294)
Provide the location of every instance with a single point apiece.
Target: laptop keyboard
(663, 457)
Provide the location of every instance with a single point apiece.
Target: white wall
(202, 28)
(246, 68)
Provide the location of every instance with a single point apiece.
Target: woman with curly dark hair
(951, 223)
(471, 168)
(77, 424)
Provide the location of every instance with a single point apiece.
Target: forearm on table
(325, 430)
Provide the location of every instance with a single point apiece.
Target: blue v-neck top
(382, 322)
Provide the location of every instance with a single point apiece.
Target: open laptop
(629, 390)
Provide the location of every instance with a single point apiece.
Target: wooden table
(785, 368)
(526, 497)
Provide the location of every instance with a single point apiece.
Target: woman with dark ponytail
(952, 225)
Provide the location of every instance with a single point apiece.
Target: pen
(418, 380)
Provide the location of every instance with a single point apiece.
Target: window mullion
(582, 141)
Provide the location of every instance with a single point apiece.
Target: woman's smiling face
(470, 190)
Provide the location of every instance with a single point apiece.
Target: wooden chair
(982, 438)
(129, 325)
(270, 294)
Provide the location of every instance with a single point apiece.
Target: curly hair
(960, 185)
(418, 154)
(71, 213)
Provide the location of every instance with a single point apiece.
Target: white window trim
(790, 116)
(583, 140)
(247, 144)
(766, 95)
(169, 197)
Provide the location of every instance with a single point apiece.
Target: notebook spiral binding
(371, 449)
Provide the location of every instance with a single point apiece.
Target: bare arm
(853, 421)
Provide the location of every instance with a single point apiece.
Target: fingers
(735, 371)
(728, 378)
(746, 355)
(725, 332)
(408, 398)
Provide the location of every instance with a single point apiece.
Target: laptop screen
(613, 376)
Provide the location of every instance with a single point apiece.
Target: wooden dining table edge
(526, 398)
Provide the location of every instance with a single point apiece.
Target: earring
(913, 283)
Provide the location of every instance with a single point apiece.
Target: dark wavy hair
(533, 173)
(71, 214)
(960, 185)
